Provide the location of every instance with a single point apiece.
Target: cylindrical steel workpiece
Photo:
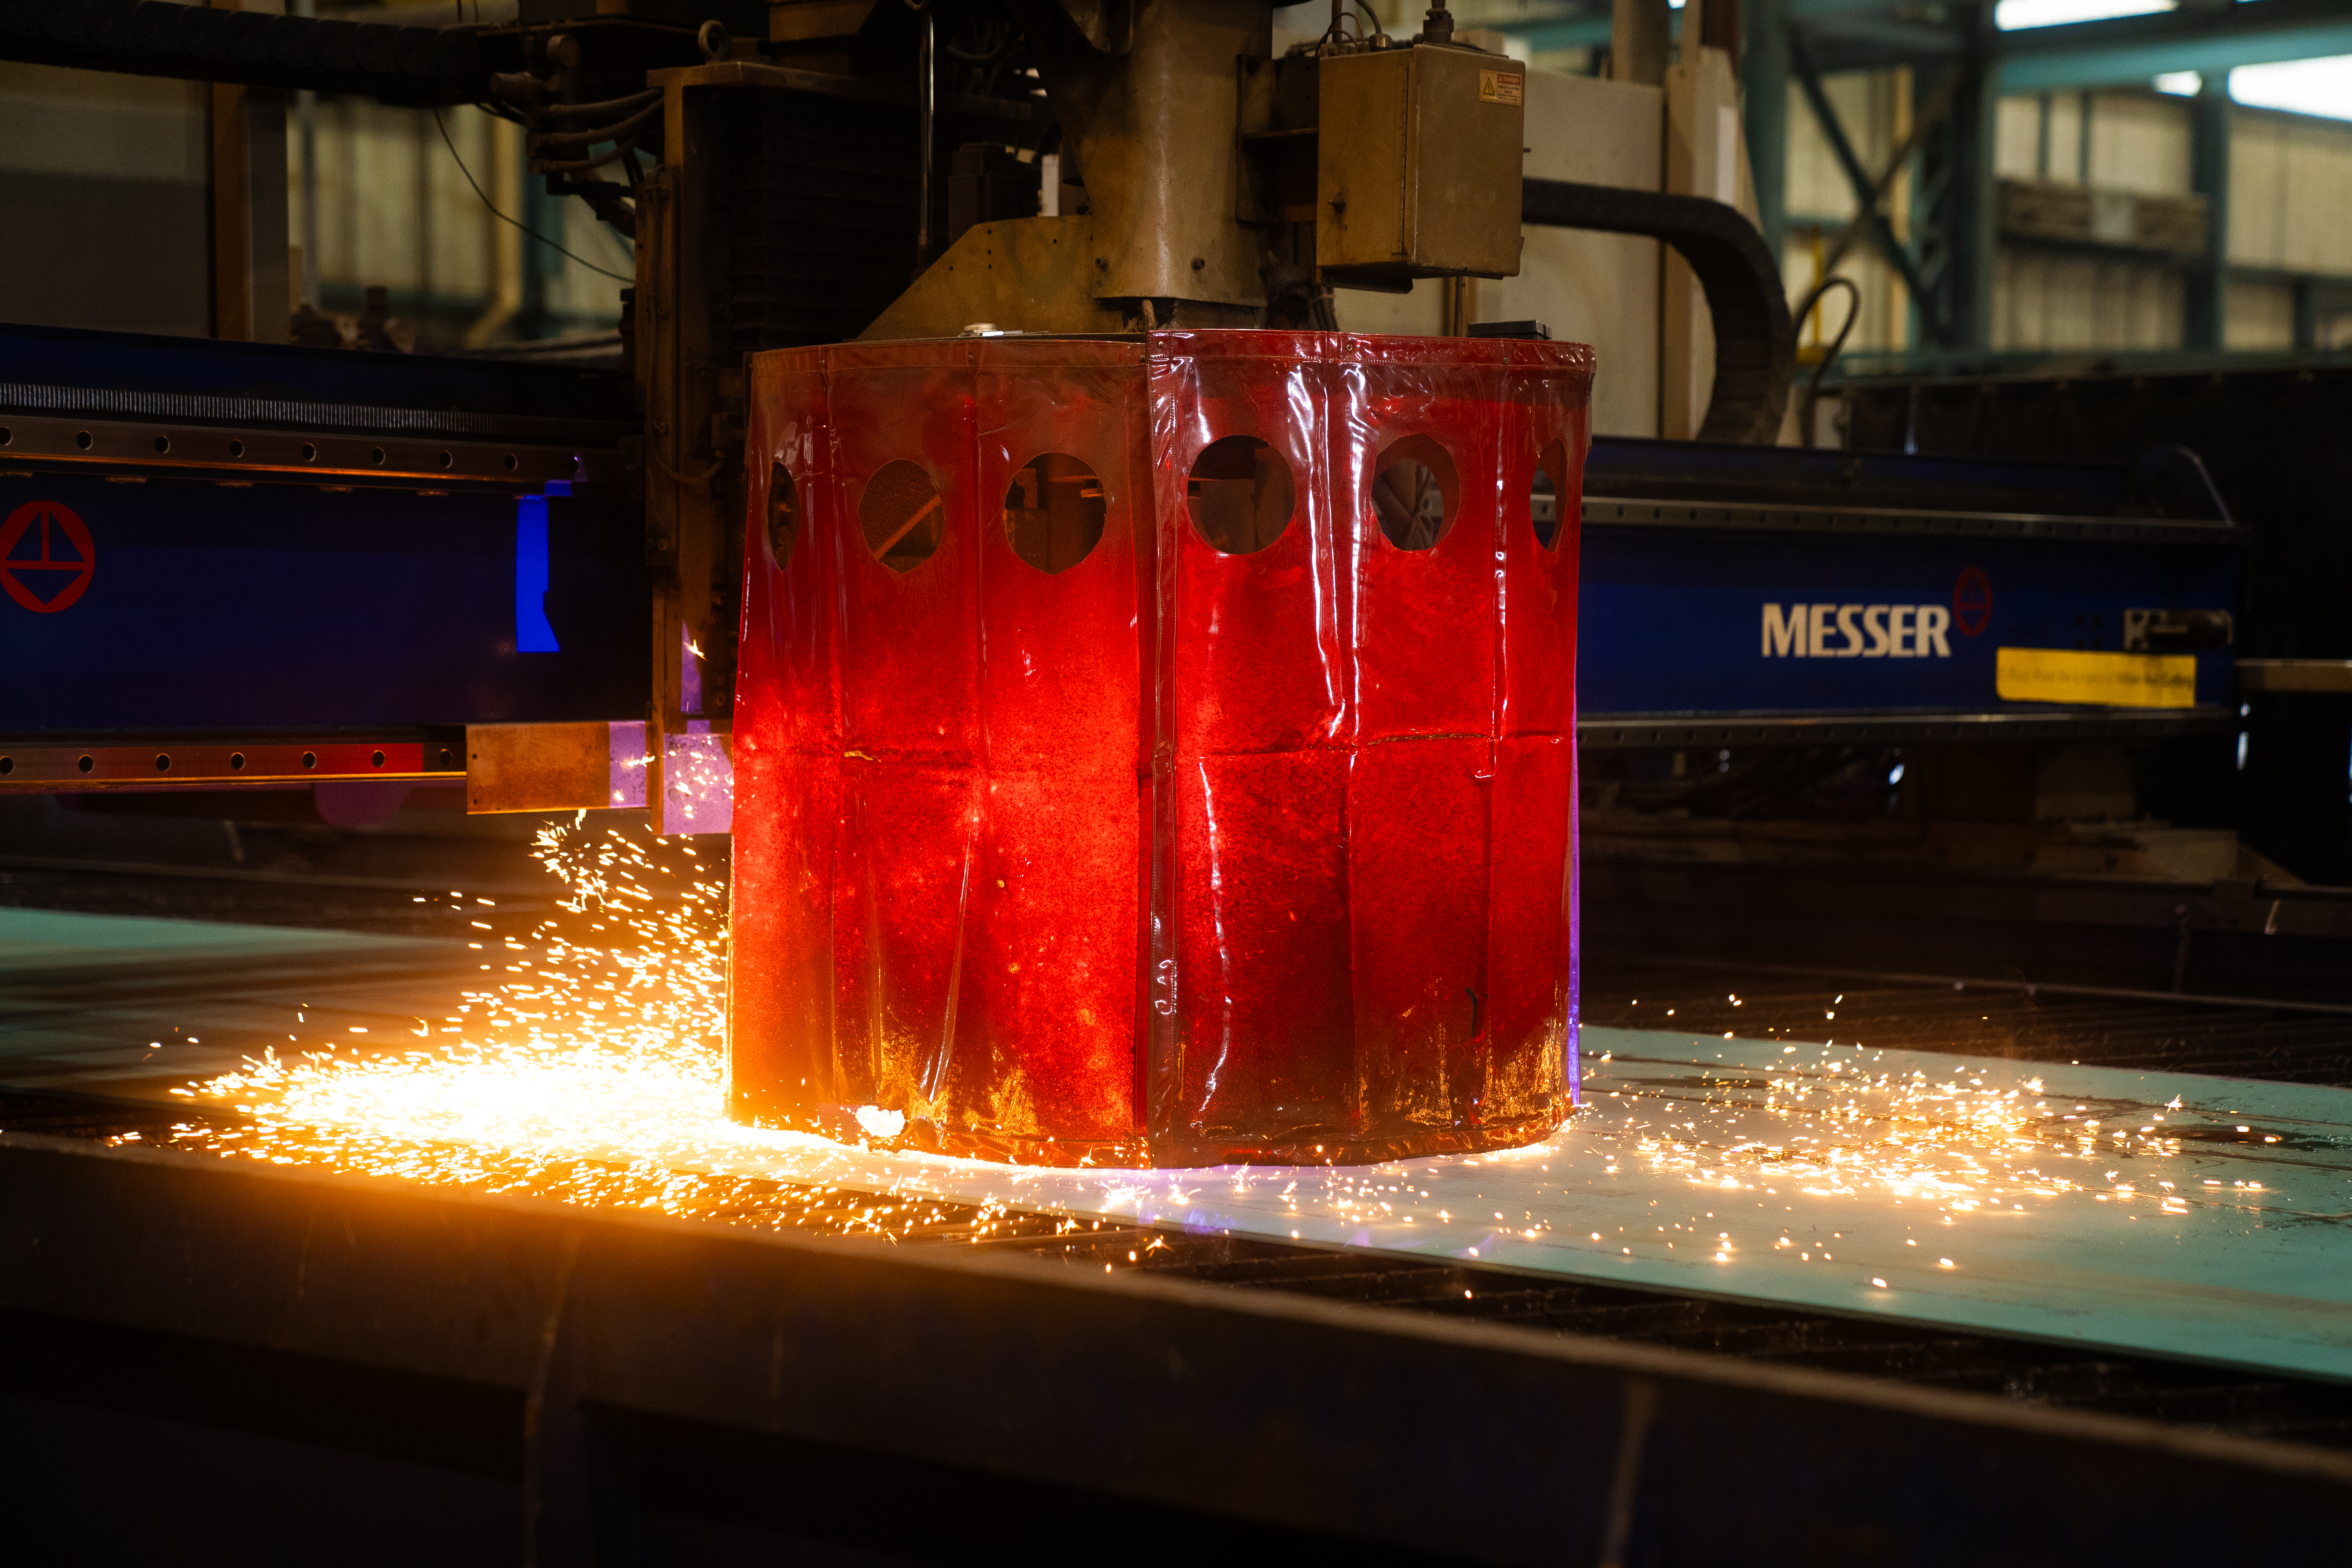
(1160, 750)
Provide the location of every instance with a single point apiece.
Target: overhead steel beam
(151, 37)
(1890, 36)
(1855, 34)
(2136, 49)
(1813, 10)
(1349, 1422)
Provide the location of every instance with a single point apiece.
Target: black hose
(619, 131)
(582, 165)
(1812, 301)
(1755, 344)
(574, 111)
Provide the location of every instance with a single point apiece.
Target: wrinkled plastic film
(1135, 849)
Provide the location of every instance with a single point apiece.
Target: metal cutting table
(1931, 1258)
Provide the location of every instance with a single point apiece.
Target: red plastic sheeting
(1172, 856)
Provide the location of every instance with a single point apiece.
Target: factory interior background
(604, 960)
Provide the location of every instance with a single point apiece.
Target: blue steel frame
(257, 603)
(278, 606)
(1694, 556)
(243, 600)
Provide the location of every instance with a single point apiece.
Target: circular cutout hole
(163, 762)
(1240, 495)
(86, 764)
(375, 455)
(901, 516)
(512, 463)
(310, 453)
(1415, 492)
(82, 440)
(237, 762)
(310, 759)
(378, 759)
(6, 434)
(446, 459)
(783, 514)
(1054, 512)
(162, 443)
(237, 449)
(1544, 499)
(8, 764)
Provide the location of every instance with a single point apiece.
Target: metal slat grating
(2068, 1377)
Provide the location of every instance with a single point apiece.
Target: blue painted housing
(225, 606)
(1673, 621)
(284, 607)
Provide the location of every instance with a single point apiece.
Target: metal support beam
(1953, 200)
(2210, 39)
(225, 44)
(251, 294)
(1926, 120)
(2205, 295)
(1764, 85)
(1973, 224)
(2306, 316)
(1866, 193)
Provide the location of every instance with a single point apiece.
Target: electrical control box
(1418, 164)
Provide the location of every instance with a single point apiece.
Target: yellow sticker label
(2108, 680)
(1501, 87)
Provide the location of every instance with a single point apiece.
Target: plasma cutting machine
(1134, 755)
(378, 571)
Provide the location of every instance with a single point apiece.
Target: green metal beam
(2205, 297)
(1866, 195)
(2135, 49)
(1853, 35)
(1891, 35)
(1812, 10)
(1764, 89)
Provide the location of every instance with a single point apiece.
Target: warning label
(46, 558)
(2111, 680)
(1501, 87)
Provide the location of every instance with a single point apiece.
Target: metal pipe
(306, 117)
(506, 239)
(926, 90)
(1755, 339)
(305, 114)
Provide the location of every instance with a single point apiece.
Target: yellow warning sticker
(2109, 679)
(1501, 87)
